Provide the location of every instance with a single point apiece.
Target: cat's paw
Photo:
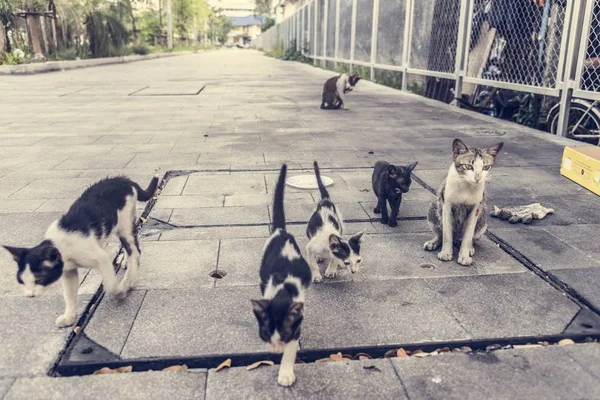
(445, 255)
(377, 210)
(286, 378)
(384, 221)
(317, 278)
(65, 320)
(465, 259)
(431, 245)
(393, 223)
(330, 274)
(472, 251)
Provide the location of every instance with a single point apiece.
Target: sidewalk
(218, 127)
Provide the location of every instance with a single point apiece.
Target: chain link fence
(456, 47)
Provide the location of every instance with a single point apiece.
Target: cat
(78, 239)
(458, 216)
(334, 90)
(324, 232)
(284, 276)
(389, 182)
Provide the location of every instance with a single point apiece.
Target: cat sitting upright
(334, 90)
(324, 230)
(389, 182)
(78, 239)
(284, 278)
(458, 216)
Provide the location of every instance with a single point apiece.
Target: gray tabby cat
(458, 215)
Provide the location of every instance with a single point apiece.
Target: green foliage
(107, 35)
(219, 26)
(140, 49)
(149, 26)
(262, 7)
(71, 53)
(269, 22)
(292, 54)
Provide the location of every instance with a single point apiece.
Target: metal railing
(546, 47)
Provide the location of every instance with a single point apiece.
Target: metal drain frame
(64, 367)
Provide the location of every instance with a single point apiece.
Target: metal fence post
(353, 35)
(316, 36)
(462, 46)
(578, 19)
(324, 31)
(336, 54)
(374, 33)
(408, 10)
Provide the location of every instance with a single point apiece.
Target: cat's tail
(322, 189)
(278, 214)
(145, 195)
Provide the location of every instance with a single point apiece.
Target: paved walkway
(218, 126)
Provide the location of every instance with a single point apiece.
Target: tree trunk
(3, 38)
(133, 28)
(35, 36)
(45, 45)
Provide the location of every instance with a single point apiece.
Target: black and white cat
(389, 182)
(334, 90)
(325, 229)
(78, 239)
(284, 277)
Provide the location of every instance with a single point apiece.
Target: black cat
(389, 182)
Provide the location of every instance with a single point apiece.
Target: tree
(220, 26)
(262, 7)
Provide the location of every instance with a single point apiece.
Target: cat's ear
(458, 147)
(412, 166)
(392, 172)
(356, 238)
(334, 241)
(494, 150)
(260, 308)
(295, 312)
(16, 252)
(51, 254)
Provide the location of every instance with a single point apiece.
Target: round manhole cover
(307, 181)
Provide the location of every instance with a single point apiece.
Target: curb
(52, 66)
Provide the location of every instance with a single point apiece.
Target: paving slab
(189, 201)
(195, 322)
(31, 341)
(340, 380)
(137, 385)
(587, 355)
(220, 216)
(404, 311)
(231, 184)
(5, 385)
(217, 232)
(303, 212)
(544, 249)
(179, 264)
(547, 373)
(507, 305)
(582, 237)
(583, 281)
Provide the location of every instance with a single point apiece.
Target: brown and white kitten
(334, 90)
(284, 277)
(458, 216)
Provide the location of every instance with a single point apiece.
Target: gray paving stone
(48, 188)
(112, 321)
(398, 312)
(165, 201)
(175, 186)
(408, 209)
(5, 385)
(137, 385)
(523, 374)
(340, 380)
(195, 322)
(582, 237)
(213, 233)
(25, 229)
(587, 355)
(303, 212)
(505, 305)
(583, 280)
(31, 342)
(259, 199)
(19, 206)
(241, 259)
(238, 183)
(177, 264)
(545, 250)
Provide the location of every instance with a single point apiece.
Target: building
(283, 9)
(234, 8)
(245, 29)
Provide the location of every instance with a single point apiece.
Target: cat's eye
(487, 167)
(358, 261)
(467, 166)
(346, 262)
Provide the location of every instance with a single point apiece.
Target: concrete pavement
(219, 125)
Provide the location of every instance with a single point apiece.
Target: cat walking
(78, 240)
(284, 278)
(458, 216)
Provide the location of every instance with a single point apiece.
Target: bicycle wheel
(590, 125)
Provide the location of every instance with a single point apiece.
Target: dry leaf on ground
(143, 220)
(337, 357)
(390, 354)
(422, 354)
(106, 370)
(323, 360)
(224, 364)
(565, 342)
(77, 329)
(401, 353)
(258, 364)
(526, 346)
(176, 368)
